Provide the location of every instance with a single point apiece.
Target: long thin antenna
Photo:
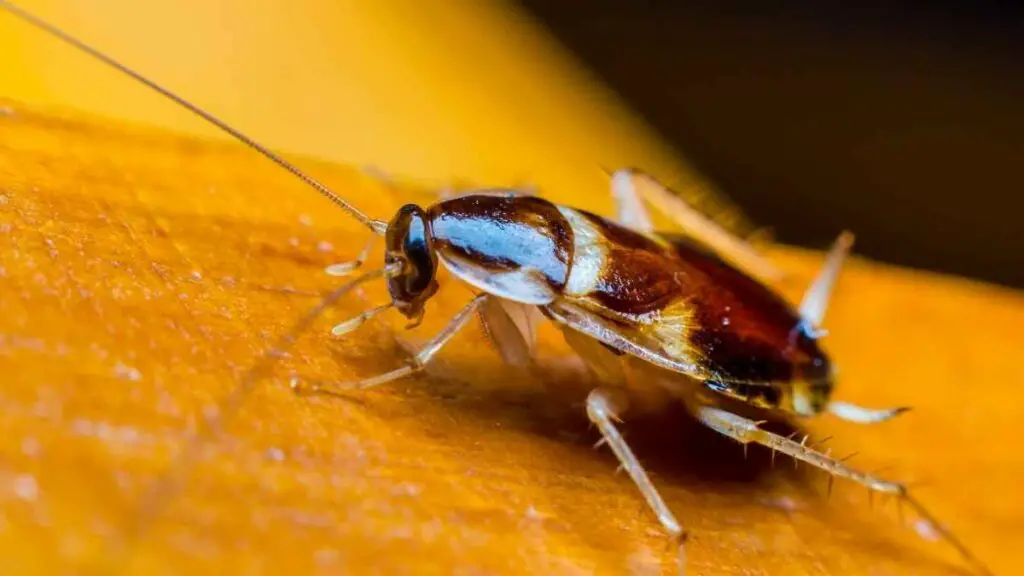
(377, 226)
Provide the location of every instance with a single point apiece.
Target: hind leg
(632, 188)
(745, 431)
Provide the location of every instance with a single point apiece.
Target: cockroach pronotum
(690, 306)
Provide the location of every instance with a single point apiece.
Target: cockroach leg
(629, 208)
(345, 268)
(416, 365)
(745, 431)
(603, 408)
(815, 300)
(631, 188)
(511, 327)
(353, 323)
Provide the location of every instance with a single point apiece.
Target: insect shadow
(549, 404)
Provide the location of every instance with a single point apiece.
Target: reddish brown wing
(690, 306)
(747, 331)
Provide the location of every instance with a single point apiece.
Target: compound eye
(409, 243)
(418, 254)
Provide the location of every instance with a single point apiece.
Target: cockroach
(693, 305)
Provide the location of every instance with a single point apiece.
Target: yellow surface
(146, 271)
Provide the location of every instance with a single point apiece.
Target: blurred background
(901, 121)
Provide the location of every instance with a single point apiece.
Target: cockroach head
(410, 251)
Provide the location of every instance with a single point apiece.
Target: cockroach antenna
(377, 226)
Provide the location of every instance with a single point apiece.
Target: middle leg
(603, 408)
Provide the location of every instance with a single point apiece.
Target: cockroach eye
(408, 240)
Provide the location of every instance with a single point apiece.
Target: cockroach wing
(679, 305)
(622, 337)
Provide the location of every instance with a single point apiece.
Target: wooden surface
(142, 272)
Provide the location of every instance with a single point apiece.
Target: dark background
(903, 122)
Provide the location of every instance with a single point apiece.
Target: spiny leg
(603, 407)
(418, 363)
(815, 300)
(745, 431)
(631, 187)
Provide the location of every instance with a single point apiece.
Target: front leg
(417, 364)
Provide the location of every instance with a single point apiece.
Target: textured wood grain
(142, 272)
